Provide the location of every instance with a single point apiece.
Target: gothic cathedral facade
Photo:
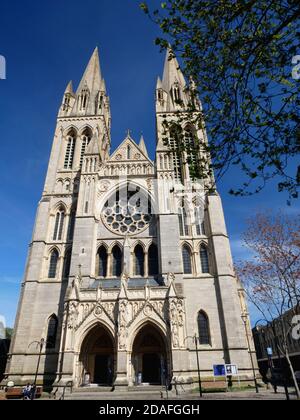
(130, 260)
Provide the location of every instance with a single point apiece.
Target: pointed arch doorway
(149, 357)
(97, 358)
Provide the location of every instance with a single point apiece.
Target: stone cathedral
(130, 260)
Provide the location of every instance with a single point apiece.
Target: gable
(129, 151)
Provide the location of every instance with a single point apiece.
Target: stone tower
(130, 258)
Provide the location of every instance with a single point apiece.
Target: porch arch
(150, 356)
(97, 357)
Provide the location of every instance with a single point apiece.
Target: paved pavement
(138, 396)
(244, 395)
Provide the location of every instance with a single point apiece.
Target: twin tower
(129, 258)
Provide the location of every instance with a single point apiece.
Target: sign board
(270, 351)
(219, 370)
(232, 370)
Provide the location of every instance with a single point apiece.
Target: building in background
(268, 341)
(130, 258)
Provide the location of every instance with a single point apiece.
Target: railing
(67, 385)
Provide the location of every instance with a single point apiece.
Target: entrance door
(102, 375)
(151, 368)
(149, 356)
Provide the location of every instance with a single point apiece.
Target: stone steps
(90, 390)
(114, 396)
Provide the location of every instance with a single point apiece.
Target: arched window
(139, 261)
(199, 219)
(53, 264)
(190, 146)
(59, 225)
(153, 260)
(187, 260)
(66, 102)
(160, 95)
(52, 332)
(204, 259)
(84, 97)
(85, 141)
(67, 264)
(203, 327)
(71, 226)
(176, 94)
(69, 157)
(184, 226)
(99, 101)
(174, 143)
(128, 152)
(102, 262)
(116, 261)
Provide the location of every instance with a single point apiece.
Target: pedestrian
(32, 392)
(27, 392)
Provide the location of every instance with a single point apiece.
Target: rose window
(128, 213)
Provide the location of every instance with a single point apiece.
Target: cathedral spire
(142, 146)
(172, 92)
(172, 72)
(91, 78)
(69, 88)
(68, 100)
(91, 97)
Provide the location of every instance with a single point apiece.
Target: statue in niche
(73, 314)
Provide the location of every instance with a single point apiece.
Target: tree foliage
(272, 277)
(239, 54)
(9, 333)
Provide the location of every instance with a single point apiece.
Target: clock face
(127, 212)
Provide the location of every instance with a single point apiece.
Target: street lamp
(245, 321)
(195, 338)
(40, 345)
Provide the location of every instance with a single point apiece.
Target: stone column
(121, 382)
(146, 265)
(126, 256)
(177, 324)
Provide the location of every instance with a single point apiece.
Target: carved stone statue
(73, 314)
(176, 315)
(122, 334)
(124, 280)
(123, 314)
(170, 278)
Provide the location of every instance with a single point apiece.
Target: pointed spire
(172, 72)
(92, 75)
(142, 146)
(103, 86)
(159, 83)
(93, 148)
(69, 88)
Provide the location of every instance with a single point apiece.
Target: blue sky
(47, 43)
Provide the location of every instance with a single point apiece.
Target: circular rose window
(127, 212)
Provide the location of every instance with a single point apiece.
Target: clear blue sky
(47, 43)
